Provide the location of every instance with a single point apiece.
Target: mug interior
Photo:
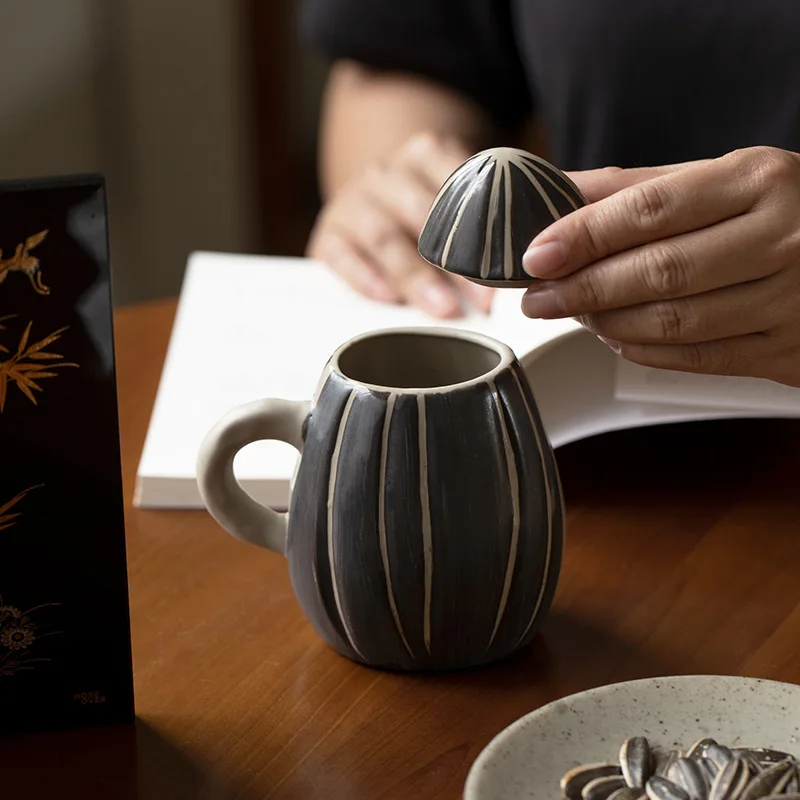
(416, 360)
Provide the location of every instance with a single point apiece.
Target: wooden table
(683, 556)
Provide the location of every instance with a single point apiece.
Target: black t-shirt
(615, 82)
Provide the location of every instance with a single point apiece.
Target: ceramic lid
(488, 211)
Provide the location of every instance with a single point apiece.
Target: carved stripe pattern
(486, 258)
(549, 184)
(548, 507)
(455, 175)
(382, 520)
(501, 162)
(508, 252)
(331, 501)
(425, 502)
(540, 189)
(513, 482)
(530, 162)
(462, 206)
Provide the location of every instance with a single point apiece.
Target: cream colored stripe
(425, 502)
(549, 510)
(513, 482)
(561, 191)
(331, 498)
(539, 188)
(457, 173)
(486, 258)
(462, 207)
(387, 421)
(571, 183)
(508, 265)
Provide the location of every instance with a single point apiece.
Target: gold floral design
(25, 367)
(20, 635)
(18, 631)
(7, 520)
(9, 613)
(17, 637)
(26, 264)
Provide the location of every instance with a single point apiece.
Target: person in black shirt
(679, 120)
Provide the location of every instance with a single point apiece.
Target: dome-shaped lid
(488, 211)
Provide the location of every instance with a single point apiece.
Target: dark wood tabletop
(682, 556)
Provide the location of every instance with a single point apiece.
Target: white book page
(573, 383)
(636, 382)
(251, 327)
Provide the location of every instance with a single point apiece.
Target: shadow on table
(707, 461)
(132, 762)
(568, 655)
(572, 652)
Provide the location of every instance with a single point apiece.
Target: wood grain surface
(682, 556)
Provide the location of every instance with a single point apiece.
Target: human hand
(368, 232)
(693, 267)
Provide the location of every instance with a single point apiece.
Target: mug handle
(227, 502)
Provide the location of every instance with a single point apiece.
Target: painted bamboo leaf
(6, 519)
(28, 363)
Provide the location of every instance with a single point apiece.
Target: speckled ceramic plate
(528, 759)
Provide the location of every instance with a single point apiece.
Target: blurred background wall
(200, 113)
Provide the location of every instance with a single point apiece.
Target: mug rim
(506, 354)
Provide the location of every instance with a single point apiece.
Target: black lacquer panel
(65, 655)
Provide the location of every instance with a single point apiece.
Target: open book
(250, 327)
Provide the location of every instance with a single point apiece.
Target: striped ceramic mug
(425, 525)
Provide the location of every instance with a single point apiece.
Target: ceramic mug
(425, 523)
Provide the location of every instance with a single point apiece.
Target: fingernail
(543, 303)
(612, 343)
(438, 300)
(544, 259)
(380, 290)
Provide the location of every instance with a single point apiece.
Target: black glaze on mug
(426, 526)
(488, 212)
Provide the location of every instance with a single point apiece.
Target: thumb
(597, 184)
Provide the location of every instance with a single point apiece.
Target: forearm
(367, 115)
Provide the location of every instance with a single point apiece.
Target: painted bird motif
(23, 261)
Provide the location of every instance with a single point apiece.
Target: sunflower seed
(573, 781)
(755, 765)
(718, 753)
(602, 788)
(687, 774)
(781, 797)
(659, 788)
(698, 749)
(793, 786)
(766, 755)
(636, 761)
(626, 793)
(730, 781)
(710, 769)
(666, 762)
(771, 781)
